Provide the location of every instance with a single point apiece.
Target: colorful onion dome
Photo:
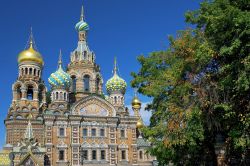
(82, 25)
(30, 54)
(136, 103)
(116, 83)
(60, 78)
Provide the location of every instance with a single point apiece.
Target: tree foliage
(200, 87)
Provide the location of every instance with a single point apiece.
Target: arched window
(61, 96)
(46, 160)
(53, 96)
(19, 117)
(38, 73)
(26, 71)
(97, 84)
(30, 92)
(34, 72)
(22, 71)
(73, 83)
(19, 92)
(115, 99)
(86, 83)
(56, 95)
(30, 71)
(64, 96)
(141, 155)
(85, 55)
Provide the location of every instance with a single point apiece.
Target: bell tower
(29, 92)
(84, 72)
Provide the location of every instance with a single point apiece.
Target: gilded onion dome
(116, 83)
(136, 103)
(82, 25)
(60, 78)
(30, 54)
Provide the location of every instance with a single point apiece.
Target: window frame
(102, 131)
(85, 129)
(94, 155)
(59, 133)
(61, 157)
(103, 155)
(93, 129)
(84, 155)
(123, 155)
(122, 133)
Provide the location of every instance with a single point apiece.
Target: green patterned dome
(116, 83)
(60, 78)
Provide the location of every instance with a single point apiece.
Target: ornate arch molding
(93, 106)
(18, 84)
(31, 83)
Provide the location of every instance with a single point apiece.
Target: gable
(93, 106)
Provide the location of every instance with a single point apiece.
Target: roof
(141, 142)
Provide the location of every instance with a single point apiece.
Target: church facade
(73, 122)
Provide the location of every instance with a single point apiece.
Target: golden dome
(30, 55)
(139, 124)
(136, 103)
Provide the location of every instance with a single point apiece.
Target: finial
(60, 59)
(82, 14)
(115, 66)
(31, 38)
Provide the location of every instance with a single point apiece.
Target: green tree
(226, 25)
(192, 104)
(176, 128)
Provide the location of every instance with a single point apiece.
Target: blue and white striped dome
(60, 78)
(82, 26)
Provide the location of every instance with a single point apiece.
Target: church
(72, 123)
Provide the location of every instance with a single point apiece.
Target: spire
(60, 60)
(115, 67)
(82, 14)
(29, 131)
(31, 38)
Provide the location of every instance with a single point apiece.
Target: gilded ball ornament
(139, 124)
(136, 103)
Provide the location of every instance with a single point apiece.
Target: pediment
(93, 106)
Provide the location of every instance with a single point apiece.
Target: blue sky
(121, 28)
